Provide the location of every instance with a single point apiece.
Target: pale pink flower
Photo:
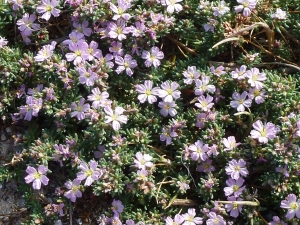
(169, 91)
(239, 73)
(191, 75)
(221, 9)
(47, 8)
(240, 102)
(277, 221)
(89, 172)
(143, 161)
(178, 219)
(234, 187)
(153, 57)
(215, 219)
(119, 10)
(263, 132)
(205, 103)
(203, 86)
(279, 14)
(255, 78)
(246, 6)
(27, 25)
(283, 170)
(230, 143)
(146, 92)
(258, 95)
(126, 64)
(172, 5)
(74, 190)
(83, 27)
(236, 169)
(118, 30)
(219, 70)
(115, 117)
(117, 206)
(80, 109)
(199, 151)
(233, 208)
(293, 205)
(45, 53)
(37, 176)
(87, 77)
(142, 175)
(167, 108)
(98, 98)
(191, 219)
(79, 52)
(167, 135)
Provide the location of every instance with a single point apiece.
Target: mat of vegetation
(151, 111)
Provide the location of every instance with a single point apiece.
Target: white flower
(115, 117)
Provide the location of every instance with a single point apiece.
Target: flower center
(48, 8)
(88, 173)
(237, 168)
(78, 53)
(37, 175)
(235, 188)
(294, 206)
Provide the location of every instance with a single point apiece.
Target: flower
(198, 151)
(206, 166)
(167, 135)
(246, 5)
(169, 91)
(255, 78)
(257, 94)
(178, 219)
(147, 92)
(27, 25)
(32, 108)
(221, 9)
(230, 143)
(283, 170)
(215, 219)
(87, 77)
(37, 176)
(210, 26)
(167, 108)
(239, 73)
(79, 52)
(48, 8)
(237, 169)
(219, 70)
(191, 75)
(279, 14)
(117, 206)
(74, 190)
(183, 186)
(172, 5)
(83, 27)
(234, 187)
(293, 205)
(115, 117)
(277, 221)
(205, 103)
(263, 132)
(203, 85)
(200, 120)
(90, 173)
(98, 98)
(118, 30)
(240, 102)
(125, 64)
(142, 175)
(80, 109)
(120, 10)
(143, 161)
(153, 57)
(233, 208)
(190, 218)
(3, 42)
